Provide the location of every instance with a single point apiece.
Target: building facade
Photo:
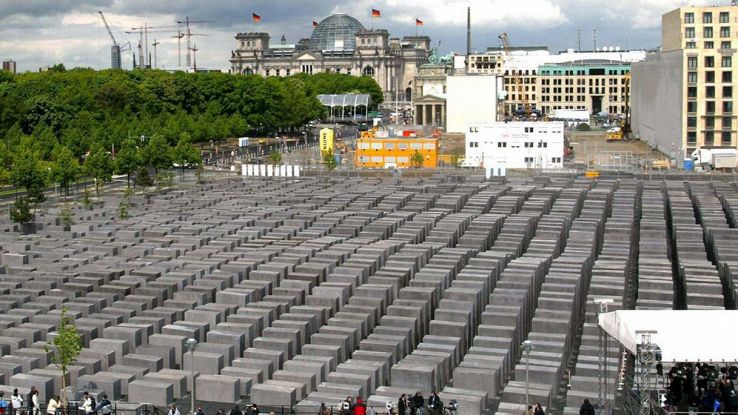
(377, 152)
(515, 145)
(595, 86)
(339, 44)
(683, 95)
(470, 99)
(9, 66)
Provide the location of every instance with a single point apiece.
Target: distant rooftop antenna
(594, 39)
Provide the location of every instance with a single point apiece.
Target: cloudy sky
(38, 33)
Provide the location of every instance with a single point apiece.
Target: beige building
(683, 95)
(339, 44)
(9, 66)
(596, 86)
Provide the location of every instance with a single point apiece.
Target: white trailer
(715, 158)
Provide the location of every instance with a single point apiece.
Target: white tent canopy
(682, 335)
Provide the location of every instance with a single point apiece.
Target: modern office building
(515, 145)
(9, 66)
(340, 44)
(683, 95)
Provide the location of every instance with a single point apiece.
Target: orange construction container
(395, 152)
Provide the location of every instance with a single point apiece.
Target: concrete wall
(658, 100)
(470, 99)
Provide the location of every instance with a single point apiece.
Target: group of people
(31, 405)
(416, 405)
(252, 409)
(702, 386)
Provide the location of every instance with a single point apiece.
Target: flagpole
(416, 27)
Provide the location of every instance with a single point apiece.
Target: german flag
(418, 22)
(315, 24)
(376, 13)
(255, 17)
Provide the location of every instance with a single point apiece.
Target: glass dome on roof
(335, 32)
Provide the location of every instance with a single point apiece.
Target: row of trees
(64, 168)
(82, 108)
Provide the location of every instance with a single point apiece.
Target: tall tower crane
(517, 81)
(115, 49)
(188, 33)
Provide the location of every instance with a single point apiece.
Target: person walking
(33, 404)
(403, 404)
(418, 403)
(173, 410)
(53, 406)
(587, 408)
(4, 406)
(434, 404)
(88, 405)
(199, 411)
(16, 402)
(538, 409)
(105, 407)
(359, 406)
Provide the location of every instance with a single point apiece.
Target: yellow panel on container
(326, 140)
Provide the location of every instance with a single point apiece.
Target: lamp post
(527, 347)
(191, 346)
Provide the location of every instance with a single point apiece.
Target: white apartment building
(515, 145)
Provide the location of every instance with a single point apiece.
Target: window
(528, 144)
(473, 144)
(727, 92)
(707, 17)
(709, 122)
(724, 31)
(691, 122)
(555, 159)
(710, 77)
(689, 17)
(710, 107)
(402, 146)
(430, 146)
(529, 160)
(368, 71)
(726, 62)
(691, 137)
(416, 146)
(376, 146)
(691, 45)
(542, 144)
(377, 159)
(266, 73)
(692, 77)
(709, 61)
(727, 106)
(726, 139)
(725, 44)
(528, 129)
(689, 33)
(364, 159)
(389, 146)
(727, 76)
(691, 106)
(692, 92)
(364, 146)
(707, 32)
(288, 72)
(390, 159)
(691, 63)
(709, 138)
(724, 17)
(403, 159)
(501, 144)
(727, 123)
(710, 92)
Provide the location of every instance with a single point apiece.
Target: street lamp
(191, 346)
(527, 348)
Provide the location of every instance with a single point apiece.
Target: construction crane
(144, 59)
(179, 37)
(188, 33)
(194, 54)
(155, 44)
(115, 49)
(517, 81)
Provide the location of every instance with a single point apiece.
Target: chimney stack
(468, 32)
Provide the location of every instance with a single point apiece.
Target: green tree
(329, 160)
(128, 160)
(416, 160)
(21, 210)
(143, 178)
(275, 158)
(157, 153)
(65, 169)
(28, 174)
(99, 166)
(184, 154)
(64, 349)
